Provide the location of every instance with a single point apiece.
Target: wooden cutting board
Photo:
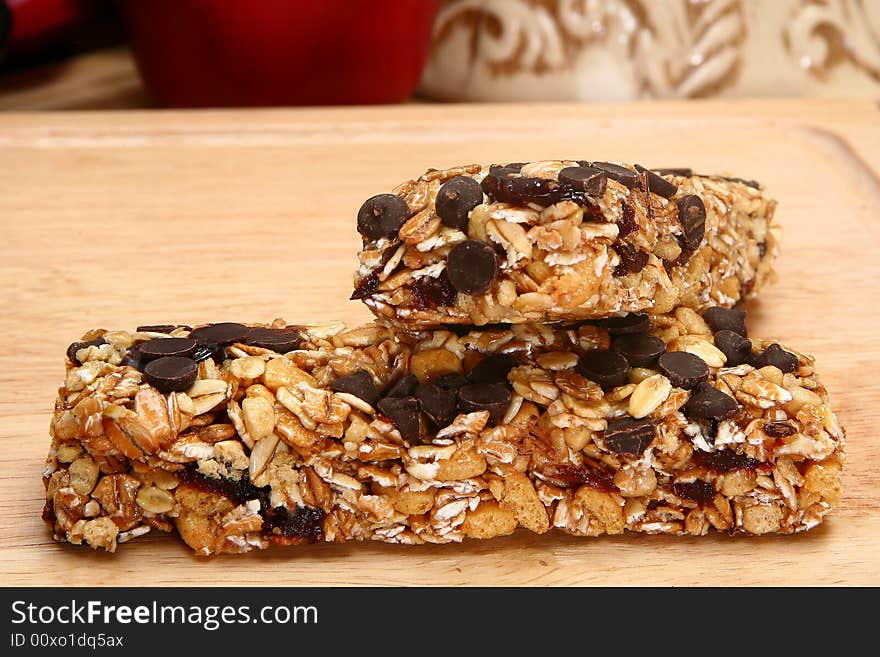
(118, 219)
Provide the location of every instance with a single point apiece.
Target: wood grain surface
(117, 219)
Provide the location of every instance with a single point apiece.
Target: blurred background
(112, 54)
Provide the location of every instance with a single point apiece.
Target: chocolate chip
(692, 217)
(515, 167)
(699, 491)
(626, 324)
(455, 199)
(683, 370)
(496, 173)
(779, 429)
(778, 357)
(76, 346)
(171, 373)
(437, 403)
(674, 171)
(657, 184)
(632, 259)
(640, 349)
(382, 216)
(404, 413)
(132, 358)
(153, 349)
(492, 397)
(607, 368)
(451, 381)
(360, 384)
(161, 328)
(404, 387)
(589, 180)
(492, 369)
(627, 224)
(209, 350)
(726, 319)
(736, 349)
(472, 266)
(709, 403)
(520, 191)
(223, 334)
(621, 174)
(279, 340)
(629, 436)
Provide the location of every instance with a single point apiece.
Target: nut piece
(281, 372)
(699, 346)
(259, 417)
(155, 500)
(428, 365)
(648, 395)
(487, 520)
(83, 475)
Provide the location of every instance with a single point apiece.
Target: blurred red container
(212, 53)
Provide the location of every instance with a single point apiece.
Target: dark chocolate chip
(657, 184)
(76, 346)
(640, 349)
(624, 176)
(382, 216)
(404, 413)
(779, 429)
(279, 340)
(132, 358)
(607, 368)
(490, 183)
(515, 167)
(736, 349)
(726, 319)
(699, 491)
(472, 266)
(627, 224)
(451, 381)
(223, 334)
(171, 373)
(589, 180)
(209, 350)
(683, 370)
(360, 384)
(632, 259)
(626, 324)
(430, 293)
(629, 436)
(674, 171)
(437, 403)
(455, 199)
(161, 328)
(520, 191)
(778, 357)
(404, 387)
(709, 403)
(492, 397)
(692, 217)
(153, 349)
(492, 369)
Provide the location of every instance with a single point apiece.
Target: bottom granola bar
(239, 437)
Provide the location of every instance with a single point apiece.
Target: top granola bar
(561, 240)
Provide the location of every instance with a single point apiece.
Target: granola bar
(241, 437)
(560, 241)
